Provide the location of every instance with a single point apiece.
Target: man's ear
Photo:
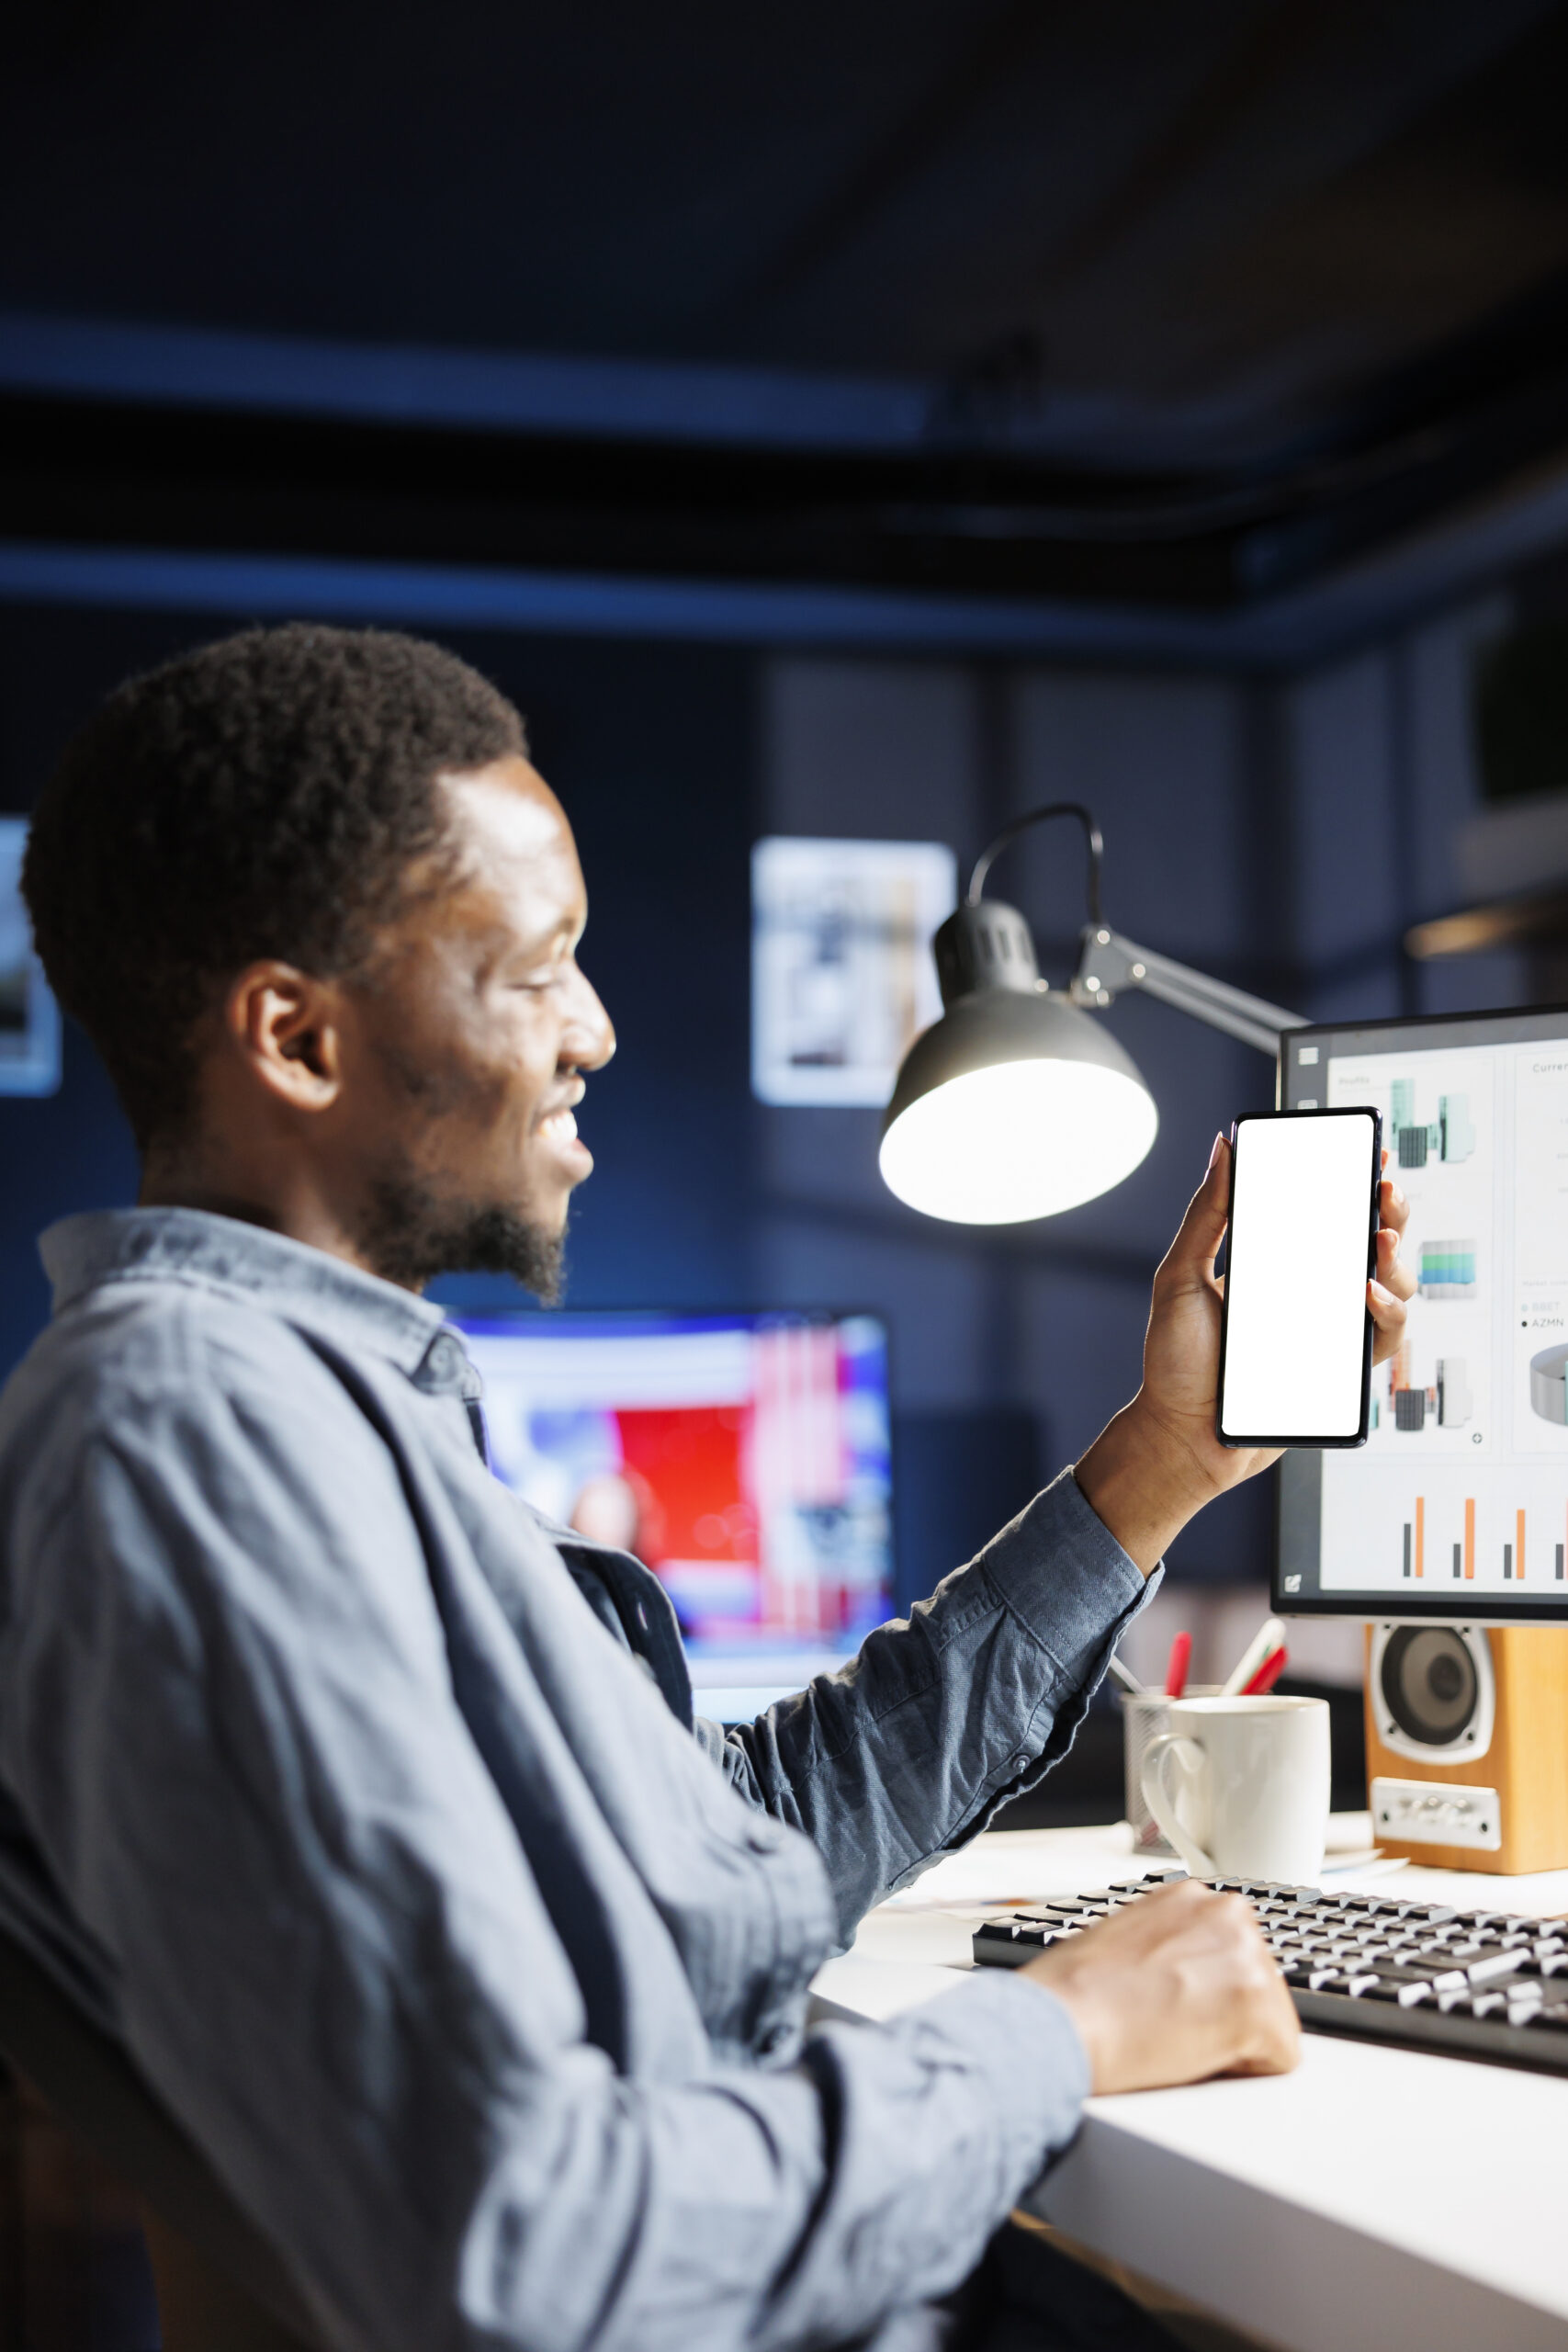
(286, 1025)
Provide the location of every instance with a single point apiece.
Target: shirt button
(444, 1360)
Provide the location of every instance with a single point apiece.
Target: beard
(410, 1234)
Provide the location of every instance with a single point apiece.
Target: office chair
(220, 2287)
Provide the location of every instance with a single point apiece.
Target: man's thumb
(1204, 1227)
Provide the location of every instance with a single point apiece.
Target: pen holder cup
(1144, 1715)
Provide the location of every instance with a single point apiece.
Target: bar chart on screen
(1444, 1542)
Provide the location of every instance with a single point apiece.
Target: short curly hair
(263, 796)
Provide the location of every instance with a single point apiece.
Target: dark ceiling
(1202, 295)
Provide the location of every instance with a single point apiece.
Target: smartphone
(1296, 1338)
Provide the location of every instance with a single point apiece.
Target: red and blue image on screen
(744, 1458)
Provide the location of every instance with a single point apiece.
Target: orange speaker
(1467, 1744)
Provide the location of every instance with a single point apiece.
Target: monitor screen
(744, 1458)
(1457, 1506)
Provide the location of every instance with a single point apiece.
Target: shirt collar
(289, 1279)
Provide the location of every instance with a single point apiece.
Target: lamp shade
(1014, 1104)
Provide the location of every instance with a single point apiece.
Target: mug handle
(1157, 1797)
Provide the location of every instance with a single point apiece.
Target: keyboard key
(1497, 1963)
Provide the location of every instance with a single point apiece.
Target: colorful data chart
(1448, 1270)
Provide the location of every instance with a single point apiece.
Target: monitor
(744, 1458)
(1457, 1506)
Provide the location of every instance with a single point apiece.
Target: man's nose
(589, 1039)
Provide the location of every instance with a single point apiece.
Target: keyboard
(1476, 1984)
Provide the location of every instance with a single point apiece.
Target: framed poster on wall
(841, 972)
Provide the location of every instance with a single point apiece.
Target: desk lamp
(1018, 1104)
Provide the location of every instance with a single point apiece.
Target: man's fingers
(1394, 1282)
(1388, 1318)
(1177, 1986)
(1393, 1274)
(1394, 1209)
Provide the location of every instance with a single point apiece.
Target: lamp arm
(1109, 965)
(1009, 833)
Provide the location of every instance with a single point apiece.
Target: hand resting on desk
(1177, 1986)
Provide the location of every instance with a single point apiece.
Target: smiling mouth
(560, 1126)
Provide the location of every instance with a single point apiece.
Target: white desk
(1375, 2199)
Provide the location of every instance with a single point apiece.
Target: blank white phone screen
(1296, 1277)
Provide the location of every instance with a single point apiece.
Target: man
(363, 1805)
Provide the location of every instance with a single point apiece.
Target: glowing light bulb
(1019, 1139)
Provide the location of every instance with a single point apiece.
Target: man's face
(473, 1031)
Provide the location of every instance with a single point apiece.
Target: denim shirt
(367, 1808)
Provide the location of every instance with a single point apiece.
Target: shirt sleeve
(909, 1749)
(234, 1736)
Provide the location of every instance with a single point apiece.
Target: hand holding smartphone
(1296, 1338)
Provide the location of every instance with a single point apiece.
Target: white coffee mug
(1252, 1795)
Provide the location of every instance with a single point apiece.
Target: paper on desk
(1025, 1866)
(1020, 1867)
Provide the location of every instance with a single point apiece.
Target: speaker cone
(1429, 1683)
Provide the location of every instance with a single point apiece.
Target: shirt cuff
(1064, 1574)
(1064, 1577)
(1031, 2069)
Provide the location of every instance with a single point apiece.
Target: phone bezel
(1315, 1444)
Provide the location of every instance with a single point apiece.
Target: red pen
(1268, 1674)
(1176, 1672)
